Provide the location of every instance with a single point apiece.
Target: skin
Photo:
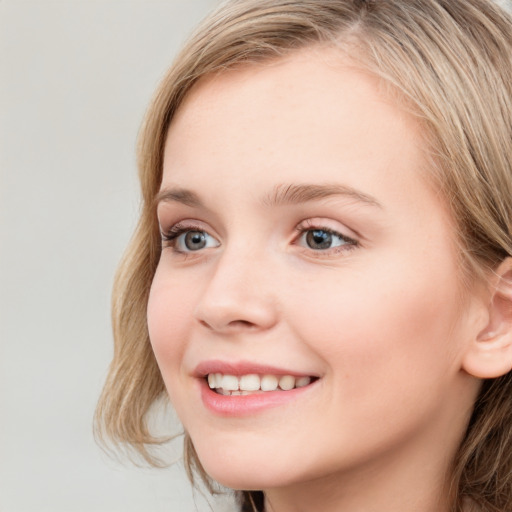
(380, 321)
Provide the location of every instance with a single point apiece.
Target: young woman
(321, 279)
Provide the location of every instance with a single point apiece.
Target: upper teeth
(254, 382)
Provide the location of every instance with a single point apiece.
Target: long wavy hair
(449, 63)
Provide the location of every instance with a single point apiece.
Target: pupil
(195, 240)
(319, 239)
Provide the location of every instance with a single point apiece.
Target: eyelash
(170, 238)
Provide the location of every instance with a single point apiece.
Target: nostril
(234, 324)
(241, 323)
(205, 324)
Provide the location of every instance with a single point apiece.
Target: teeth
(250, 382)
(229, 383)
(287, 382)
(302, 381)
(247, 384)
(269, 383)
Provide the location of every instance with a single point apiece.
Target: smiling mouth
(233, 385)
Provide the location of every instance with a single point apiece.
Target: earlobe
(490, 353)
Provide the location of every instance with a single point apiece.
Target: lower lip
(243, 405)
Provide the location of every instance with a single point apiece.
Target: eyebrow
(294, 194)
(284, 194)
(178, 195)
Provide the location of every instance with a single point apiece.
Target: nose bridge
(238, 294)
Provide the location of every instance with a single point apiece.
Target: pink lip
(234, 406)
(248, 404)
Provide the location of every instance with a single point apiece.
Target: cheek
(388, 348)
(169, 316)
(378, 329)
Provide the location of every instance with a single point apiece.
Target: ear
(490, 353)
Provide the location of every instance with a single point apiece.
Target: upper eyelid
(350, 241)
(312, 223)
(185, 225)
(169, 213)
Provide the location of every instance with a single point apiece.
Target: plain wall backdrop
(76, 77)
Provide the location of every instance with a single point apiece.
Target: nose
(239, 296)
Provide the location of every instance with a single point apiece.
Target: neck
(367, 493)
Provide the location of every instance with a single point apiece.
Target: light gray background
(76, 76)
(75, 79)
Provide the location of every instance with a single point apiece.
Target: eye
(194, 240)
(189, 239)
(323, 239)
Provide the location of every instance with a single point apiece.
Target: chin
(243, 471)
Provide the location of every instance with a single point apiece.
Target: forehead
(289, 119)
(305, 86)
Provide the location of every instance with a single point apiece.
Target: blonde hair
(450, 64)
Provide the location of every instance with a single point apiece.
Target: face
(305, 313)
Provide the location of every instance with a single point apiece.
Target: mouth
(252, 383)
(244, 388)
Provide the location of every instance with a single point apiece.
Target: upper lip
(243, 368)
